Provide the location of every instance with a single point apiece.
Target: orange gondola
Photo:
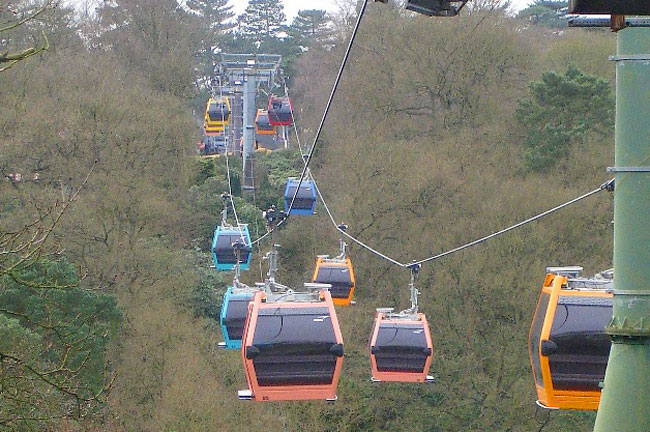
(400, 345)
(292, 347)
(568, 346)
(338, 273)
(262, 125)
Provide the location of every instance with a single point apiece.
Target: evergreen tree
(563, 109)
(262, 20)
(214, 18)
(309, 27)
(546, 13)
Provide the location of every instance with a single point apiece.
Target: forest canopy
(108, 305)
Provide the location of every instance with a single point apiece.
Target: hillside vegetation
(423, 150)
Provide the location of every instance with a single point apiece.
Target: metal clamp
(415, 269)
(628, 169)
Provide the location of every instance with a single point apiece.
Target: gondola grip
(548, 347)
(337, 350)
(252, 352)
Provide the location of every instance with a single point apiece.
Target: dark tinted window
(263, 122)
(279, 326)
(225, 251)
(236, 312)
(535, 336)
(338, 277)
(582, 345)
(306, 194)
(218, 111)
(333, 274)
(294, 345)
(280, 110)
(401, 348)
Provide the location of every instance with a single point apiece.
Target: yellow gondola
(567, 344)
(217, 115)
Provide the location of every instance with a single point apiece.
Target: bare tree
(16, 19)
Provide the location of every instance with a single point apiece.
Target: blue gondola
(305, 200)
(223, 252)
(234, 311)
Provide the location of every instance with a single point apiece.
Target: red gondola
(280, 111)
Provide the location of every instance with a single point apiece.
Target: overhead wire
(232, 202)
(608, 185)
(329, 213)
(605, 186)
(322, 121)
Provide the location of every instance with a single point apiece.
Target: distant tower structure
(248, 72)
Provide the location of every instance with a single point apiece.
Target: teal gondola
(223, 250)
(234, 311)
(305, 202)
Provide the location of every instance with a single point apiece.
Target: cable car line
(605, 186)
(608, 185)
(322, 122)
(232, 202)
(336, 225)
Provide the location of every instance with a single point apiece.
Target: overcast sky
(291, 6)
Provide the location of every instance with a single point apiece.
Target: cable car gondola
(223, 247)
(231, 245)
(338, 273)
(567, 344)
(305, 202)
(262, 125)
(217, 116)
(292, 347)
(234, 310)
(400, 345)
(213, 144)
(280, 111)
(267, 142)
(442, 8)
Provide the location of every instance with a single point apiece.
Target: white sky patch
(291, 7)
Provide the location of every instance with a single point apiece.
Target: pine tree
(215, 15)
(262, 19)
(309, 27)
(562, 110)
(546, 13)
(215, 18)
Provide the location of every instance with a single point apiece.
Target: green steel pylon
(625, 401)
